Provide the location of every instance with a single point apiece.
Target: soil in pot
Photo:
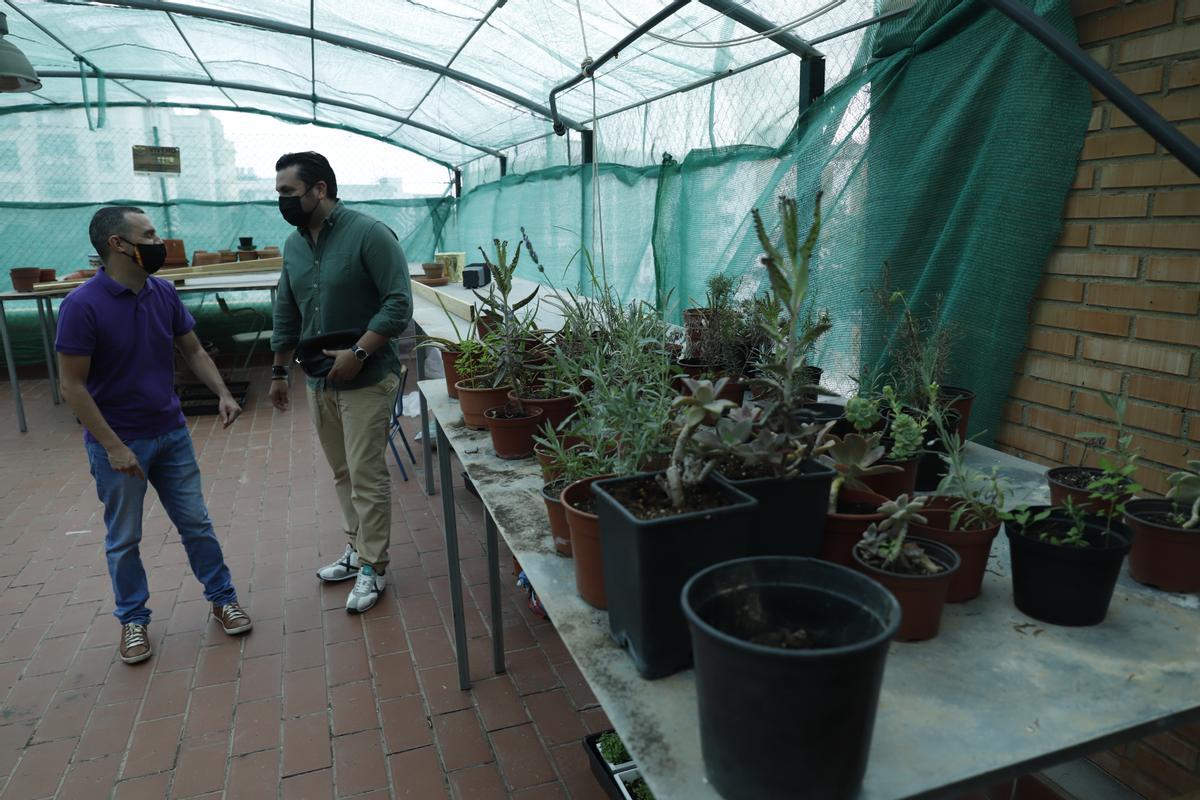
(580, 507)
(1064, 584)
(813, 697)
(512, 430)
(475, 401)
(449, 366)
(1072, 482)
(555, 410)
(856, 510)
(1164, 555)
(921, 597)
(651, 549)
(559, 528)
(790, 520)
(971, 541)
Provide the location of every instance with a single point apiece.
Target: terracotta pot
(247, 255)
(734, 391)
(1163, 556)
(176, 253)
(960, 401)
(487, 323)
(449, 362)
(512, 437)
(88, 273)
(555, 410)
(844, 529)
(269, 252)
(228, 256)
(47, 275)
(921, 597)
(23, 278)
(694, 320)
(973, 546)
(893, 484)
(474, 402)
(559, 528)
(550, 471)
(693, 368)
(585, 543)
(433, 269)
(1060, 491)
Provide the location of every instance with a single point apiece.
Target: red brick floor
(314, 703)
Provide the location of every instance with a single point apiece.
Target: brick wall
(1119, 305)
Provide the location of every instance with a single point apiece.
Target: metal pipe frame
(589, 69)
(330, 38)
(250, 87)
(744, 16)
(1166, 134)
(454, 566)
(11, 363)
(497, 610)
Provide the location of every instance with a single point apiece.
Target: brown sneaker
(135, 643)
(233, 620)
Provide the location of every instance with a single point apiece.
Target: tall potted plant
(1166, 542)
(1099, 490)
(852, 507)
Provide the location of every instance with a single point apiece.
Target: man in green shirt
(343, 270)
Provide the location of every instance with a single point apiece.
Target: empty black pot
(1063, 584)
(787, 722)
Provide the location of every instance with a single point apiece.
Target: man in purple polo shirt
(116, 339)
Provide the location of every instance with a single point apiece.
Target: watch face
(360, 354)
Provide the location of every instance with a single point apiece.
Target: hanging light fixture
(16, 73)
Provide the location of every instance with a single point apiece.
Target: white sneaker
(366, 590)
(345, 567)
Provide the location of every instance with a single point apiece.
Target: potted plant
(1166, 542)
(789, 659)
(476, 366)
(451, 350)
(917, 571)
(903, 448)
(765, 449)
(1099, 490)
(852, 507)
(633, 786)
(725, 345)
(1064, 564)
(658, 529)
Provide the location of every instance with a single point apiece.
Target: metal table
(994, 696)
(46, 322)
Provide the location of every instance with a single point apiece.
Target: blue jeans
(169, 462)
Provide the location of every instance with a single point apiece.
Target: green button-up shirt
(355, 276)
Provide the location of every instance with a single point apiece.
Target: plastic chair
(397, 408)
(253, 337)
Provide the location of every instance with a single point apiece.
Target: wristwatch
(359, 353)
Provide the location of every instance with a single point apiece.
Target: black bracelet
(279, 377)
(278, 371)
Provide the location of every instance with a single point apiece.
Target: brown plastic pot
(1163, 556)
(893, 484)
(922, 597)
(844, 529)
(23, 278)
(449, 366)
(47, 275)
(474, 402)
(555, 409)
(559, 529)
(1081, 498)
(585, 543)
(960, 401)
(973, 546)
(512, 436)
(487, 323)
(433, 269)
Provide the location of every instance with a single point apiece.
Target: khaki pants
(353, 427)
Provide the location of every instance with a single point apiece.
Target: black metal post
(503, 166)
(457, 182)
(741, 14)
(812, 80)
(1166, 134)
(591, 65)
(589, 146)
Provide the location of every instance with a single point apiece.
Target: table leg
(452, 563)
(493, 555)
(430, 488)
(48, 351)
(52, 332)
(12, 371)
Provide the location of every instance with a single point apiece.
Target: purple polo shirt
(131, 339)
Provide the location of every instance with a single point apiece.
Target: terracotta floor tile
(359, 763)
(385, 635)
(67, 715)
(30, 697)
(478, 783)
(254, 776)
(440, 687)
(405, 724)
(420, 611)
(153, 747)
(218, 664)
(394, 675)
(431, 646)
(304, 692)
(41, 769)
(531, 672)
(309, 786)
(151, 787)
(576, 686)
(178, 651)
(523, 761)
(576, 773)
(89, 667)
(89, 780)
(260, 678)
(555, 718)
(303, 649)
(210, 710)
(108, 730)
(499, 704)
(547, 791)
(460, 740)
(167, 695)
(201, 767)
(306, 745)
(422, 775)
(341, 627)
(52, 654)
(21, 643)
(256, 726)
(353, 707)
(347, 662)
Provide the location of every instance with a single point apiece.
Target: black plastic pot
(780, 722)
(825, 412)
(605, 774)
(790, 520)
(1065, 585)
(646, 563)
(930, 466)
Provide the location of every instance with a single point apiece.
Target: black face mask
(149, 257)
(292, 209)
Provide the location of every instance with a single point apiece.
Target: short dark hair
(109, 221)
(310, 167)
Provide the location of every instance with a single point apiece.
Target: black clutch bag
(310, 352)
